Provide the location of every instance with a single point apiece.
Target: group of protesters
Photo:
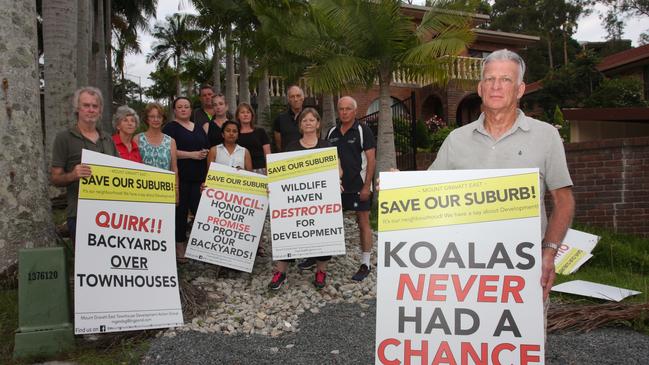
(197, 137)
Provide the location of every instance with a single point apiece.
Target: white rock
(259, 324)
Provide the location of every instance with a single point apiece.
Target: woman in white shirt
(229, 152)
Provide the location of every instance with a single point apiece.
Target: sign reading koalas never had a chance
(125, 271)
(230, 218)
(459, 268)
(306, 215)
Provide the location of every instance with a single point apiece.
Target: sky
(138, 70)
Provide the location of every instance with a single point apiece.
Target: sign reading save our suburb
(125, 269)
(230, 218)
(304, 195)
(459, 268)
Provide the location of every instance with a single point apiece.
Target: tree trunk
(178, 83)
(92, 65)
(26, 217)
(328, 114)
(216, 64)
(83, 40)
(108, 35)
(263, 103)
(230, 86)
(60, 54)
(244, 83)
(385, 152)
(99, 59)
(565, 48)
(551, 61)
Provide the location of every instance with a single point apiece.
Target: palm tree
(129, 17)
(26, 217)
(60, 56)
(174, 39)
(211, 18)
(351, 44)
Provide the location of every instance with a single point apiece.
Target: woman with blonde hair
(309, 125)
(157, 149)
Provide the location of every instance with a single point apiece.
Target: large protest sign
(459, 268)
(125, 271)
(306, 215)
(230, 218)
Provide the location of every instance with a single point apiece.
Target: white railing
(277, 87)
(458, 68)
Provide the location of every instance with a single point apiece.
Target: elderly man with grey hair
(125, 122)
(504, 137)
(66, 167)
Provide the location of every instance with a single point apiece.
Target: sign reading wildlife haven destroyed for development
(459, 268)
(125, 270)
(230, 218)
(306, 215)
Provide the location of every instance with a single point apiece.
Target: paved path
(344, 334)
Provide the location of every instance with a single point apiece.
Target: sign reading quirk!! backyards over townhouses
(125, 271)
(459, 268)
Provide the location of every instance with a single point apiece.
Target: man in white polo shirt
(503, 137)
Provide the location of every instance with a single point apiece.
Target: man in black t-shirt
(357, 155)
(205, 112)
(285, 126)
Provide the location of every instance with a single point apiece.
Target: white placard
(459, 267)
(230, 218)
(594, 290)
(304, 195)
(125, 270)
(574, 251)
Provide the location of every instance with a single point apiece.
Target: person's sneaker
(362, 273)
(279, 278)
(320, 279)
(306, 264)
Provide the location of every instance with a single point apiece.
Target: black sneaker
(320, 279)
(362, 273)
(279, 278)
(306, 264)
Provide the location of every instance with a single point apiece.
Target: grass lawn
(618, 260)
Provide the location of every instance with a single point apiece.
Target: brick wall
(611, 182)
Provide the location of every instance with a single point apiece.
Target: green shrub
(438, 138)
(423, 135)
(616, 93)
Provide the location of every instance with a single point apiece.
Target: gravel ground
(344, 334)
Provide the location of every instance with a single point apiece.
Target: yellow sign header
(113, 183)
(460, 202)
(237, 183)
(303, 165)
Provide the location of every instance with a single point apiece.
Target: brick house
(457, 102)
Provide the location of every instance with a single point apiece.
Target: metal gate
(404, 122)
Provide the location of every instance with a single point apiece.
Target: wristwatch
(554, 246)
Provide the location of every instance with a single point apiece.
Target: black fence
(404, 122)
